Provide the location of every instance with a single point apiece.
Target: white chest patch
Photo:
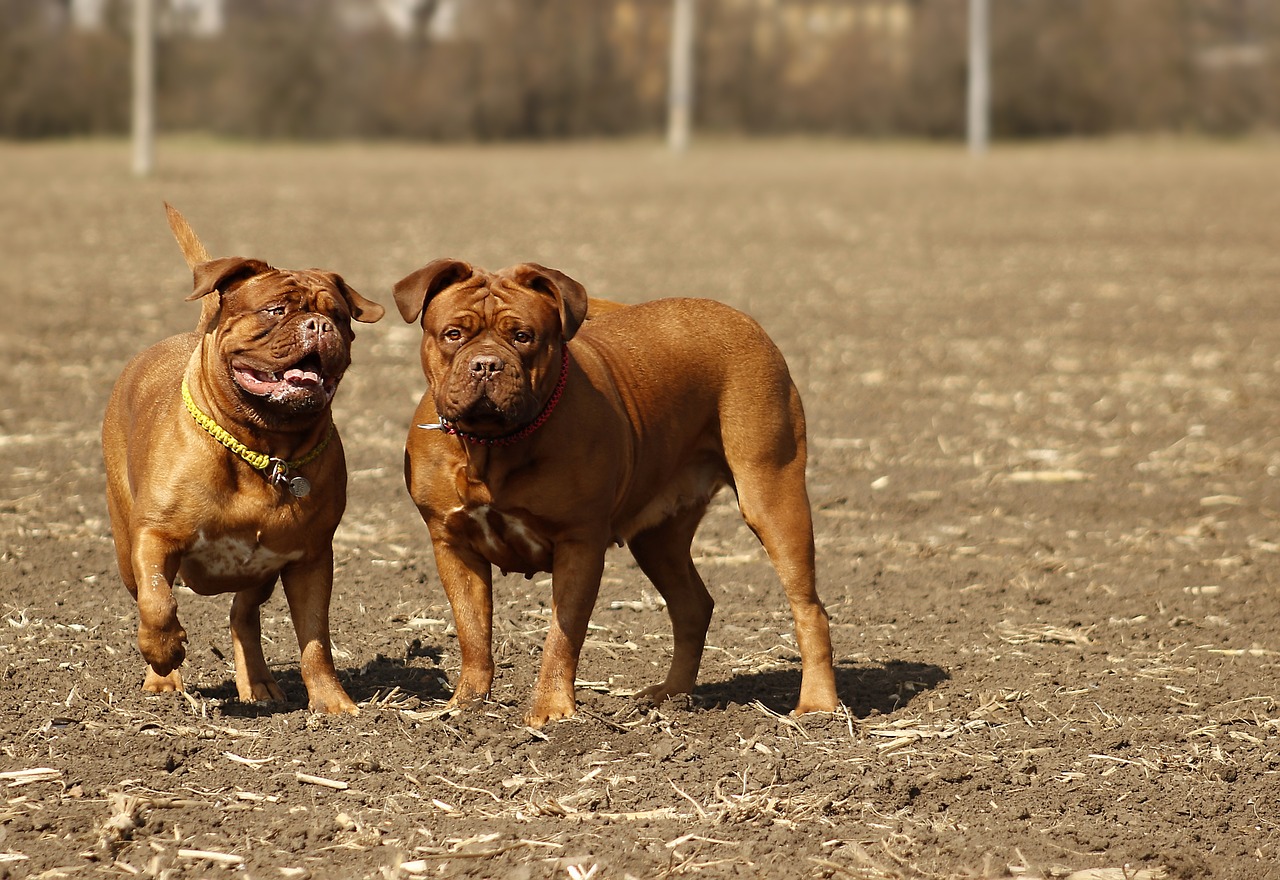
(227, 556)
(506, 533)
(507, 540)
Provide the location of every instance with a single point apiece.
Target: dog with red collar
(554, 426)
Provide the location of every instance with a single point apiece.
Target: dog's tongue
(296, 376)
(263, 383)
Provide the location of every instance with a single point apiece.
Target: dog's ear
(570, 296)
(415, 290)
(218, 275)
(364, 310)
(221, 273)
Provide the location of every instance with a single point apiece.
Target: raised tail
(193, 250)
(195, 253)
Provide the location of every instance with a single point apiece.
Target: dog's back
(697, 350)
(710, 403)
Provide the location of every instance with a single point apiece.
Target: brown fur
(664, 403)
(181, 503)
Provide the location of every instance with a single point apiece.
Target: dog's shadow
(865, 688)
(377, 678)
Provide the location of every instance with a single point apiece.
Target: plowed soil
(1045, 431)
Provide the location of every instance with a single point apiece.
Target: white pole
(680, 94)
(979, 122)
(144, 86)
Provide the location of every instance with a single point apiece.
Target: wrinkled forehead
(491, 299)
(310, 290)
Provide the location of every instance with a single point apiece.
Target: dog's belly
(220, 563)
(689, 488)
(511, 541)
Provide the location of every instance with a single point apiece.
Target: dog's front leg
(308, 585)
(468, 583)
(161, 638)
(575, 583)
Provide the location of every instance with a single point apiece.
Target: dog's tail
(193, 250)
(195, 253)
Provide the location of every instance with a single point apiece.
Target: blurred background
(482, 70)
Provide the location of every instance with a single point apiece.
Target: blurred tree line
(536, 69)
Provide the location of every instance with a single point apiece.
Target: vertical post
(979, 117)
(144, 86)
(680, 94)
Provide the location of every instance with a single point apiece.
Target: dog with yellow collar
(224, 468)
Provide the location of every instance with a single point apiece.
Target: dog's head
(281, 337)
(491, 341)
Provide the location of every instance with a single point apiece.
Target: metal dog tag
(299, 487)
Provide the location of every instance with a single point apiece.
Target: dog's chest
(235, 556)
(510, 540)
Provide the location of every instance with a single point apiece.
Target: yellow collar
(299, 486)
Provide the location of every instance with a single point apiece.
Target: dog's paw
(155, 683)
(817, 692)
(334, 707)
(806, 707)
(657, 694)
(330, 699)
(549, 710)
(464, 696)
(163, 649)
(260, 690)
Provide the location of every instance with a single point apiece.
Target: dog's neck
(288, 443)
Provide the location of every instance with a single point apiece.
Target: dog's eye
(524, 337)
(453, 334)
(275, 310)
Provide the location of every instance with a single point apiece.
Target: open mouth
(304, 378)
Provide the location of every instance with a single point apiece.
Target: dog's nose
(318, 325)
(485, 366)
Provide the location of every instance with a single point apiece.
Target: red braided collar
(507, 439)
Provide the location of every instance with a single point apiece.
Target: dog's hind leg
(769, 475)
(663, 555)
(253, 679)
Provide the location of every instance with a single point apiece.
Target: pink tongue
(302, 377)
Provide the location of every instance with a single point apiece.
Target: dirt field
(1045, 432)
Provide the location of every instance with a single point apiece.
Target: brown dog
(534, 453)
(223, 465)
